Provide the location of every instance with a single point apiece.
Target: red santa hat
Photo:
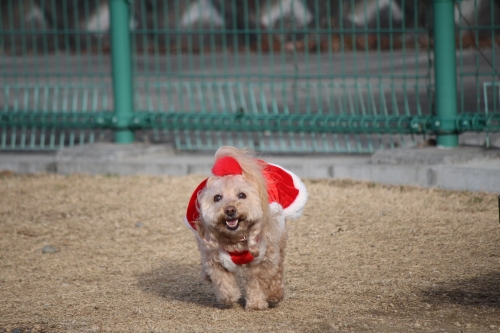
(286, 192)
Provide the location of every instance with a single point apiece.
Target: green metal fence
(271, 75)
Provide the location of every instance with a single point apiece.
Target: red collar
(241, 258)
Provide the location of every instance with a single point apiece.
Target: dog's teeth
(232, 223)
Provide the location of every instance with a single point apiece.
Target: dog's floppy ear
(204, 235)
(200, 228)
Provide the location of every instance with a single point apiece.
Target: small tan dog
(239, 218)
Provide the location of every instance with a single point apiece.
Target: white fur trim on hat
(295, 210)
(188, 225)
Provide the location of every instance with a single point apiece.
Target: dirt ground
(363, 258)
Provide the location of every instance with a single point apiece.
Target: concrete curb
(464, 168)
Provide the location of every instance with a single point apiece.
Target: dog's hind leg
(276, 285)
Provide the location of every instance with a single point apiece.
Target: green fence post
(445, 73)
(121, 59)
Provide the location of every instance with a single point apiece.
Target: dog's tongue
(232, 223)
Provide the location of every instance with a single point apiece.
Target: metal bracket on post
(445, 71)
(121, 59)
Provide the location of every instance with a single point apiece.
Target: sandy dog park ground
(110, 253)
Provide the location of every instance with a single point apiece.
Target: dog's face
(230, 204)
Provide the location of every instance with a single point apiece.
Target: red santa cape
(287, 196)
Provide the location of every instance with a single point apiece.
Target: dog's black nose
(230, 210)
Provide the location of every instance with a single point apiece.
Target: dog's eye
(217, 198)
(242, 196)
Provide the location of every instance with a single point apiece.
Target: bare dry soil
(111, 254)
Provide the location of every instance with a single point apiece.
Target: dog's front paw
(256, 305)
(229, 301)
(227, 293)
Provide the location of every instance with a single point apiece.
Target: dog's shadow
(180, 282)
(482, 290)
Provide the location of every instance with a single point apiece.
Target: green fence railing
(271, 75)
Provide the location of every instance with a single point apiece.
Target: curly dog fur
(235, 219)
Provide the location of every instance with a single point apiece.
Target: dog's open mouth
(232, 224)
